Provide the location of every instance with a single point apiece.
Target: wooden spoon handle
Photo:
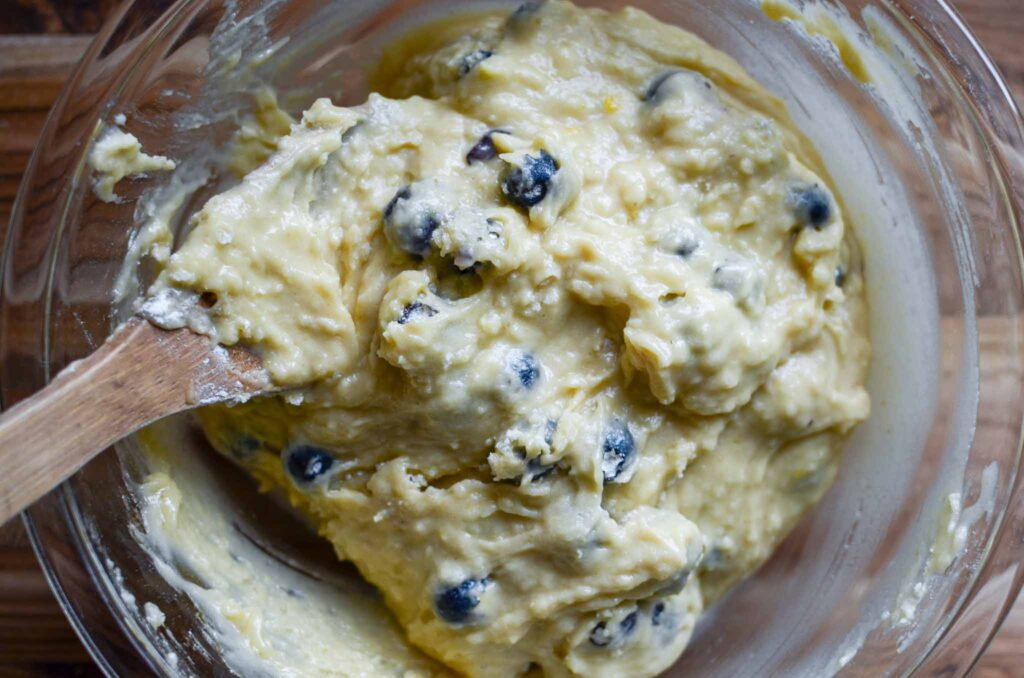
(142, 373)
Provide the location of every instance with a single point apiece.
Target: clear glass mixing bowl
(927, 157)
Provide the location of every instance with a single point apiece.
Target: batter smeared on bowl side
(575, 326)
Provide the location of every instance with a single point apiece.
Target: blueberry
(687, 247)
(618, 450)
(410, 222)
(455, 604)
(660, 89)
(653, 90)
(600, 635)
(307, 463)
(527, 185)
(524, 10)
(812, 206)
(484, 150)
(549, 431)
(536, 470)
(840, 276)
(494, 228)
(470, 61)
(416, 310)
(656, 612)
(603, 636)
(682, 241)
(526, 368)
(627, 625)
(404, 193)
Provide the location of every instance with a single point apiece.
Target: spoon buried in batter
(142, 373)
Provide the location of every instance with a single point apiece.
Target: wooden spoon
(142, 373)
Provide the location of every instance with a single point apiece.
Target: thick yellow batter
(574, 326)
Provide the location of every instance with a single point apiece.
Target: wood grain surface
(35, 639)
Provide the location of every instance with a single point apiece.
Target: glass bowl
(909, 563)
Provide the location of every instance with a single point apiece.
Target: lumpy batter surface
(572, 325)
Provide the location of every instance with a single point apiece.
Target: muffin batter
(572, 327)
(117, 155)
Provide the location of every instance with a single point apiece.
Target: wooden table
(35, 639)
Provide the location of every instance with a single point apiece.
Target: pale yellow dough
(595, 414)
(117, 155)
